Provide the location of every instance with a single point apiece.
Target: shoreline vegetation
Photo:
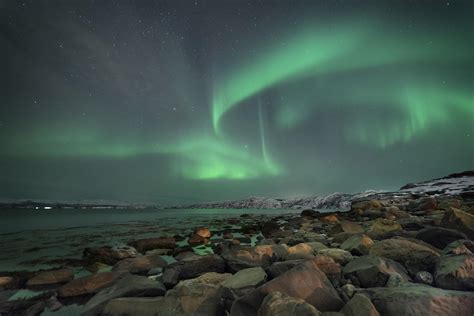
(408, 252)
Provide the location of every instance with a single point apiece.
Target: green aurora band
(311, 54)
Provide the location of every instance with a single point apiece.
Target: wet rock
(192, 267)
(362, 206)
(203, 232)
(382, 227)
(143, 306)
(347, 227)
(87, 285)
(299, 251)
(258, 256)
(330, 219)
(413, 256)
(7, 282)
(51, 277)
(279, 304)
(455, 272)
(339, 255)
(459, 220)
(347, 291)
(439, 237)
(424, 277)
(395, 280)
(316, 245)
(278, 268)
(196, 240)
(140, 265)
(459, 247)
(143, 245)
(109, 255)
(359, 305)
(305, 281)
(128, 285)
(358, 245)
(53, 304)
(245, 280)
(394, 213)
(372, 271)
(423, 205)
(414, 300)
(170, 278)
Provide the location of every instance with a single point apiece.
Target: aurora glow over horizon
(184, 101)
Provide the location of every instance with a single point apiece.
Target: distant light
(47, 207)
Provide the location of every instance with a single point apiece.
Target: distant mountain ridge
(454, 184)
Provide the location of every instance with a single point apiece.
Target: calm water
(17, 220)
(37, 239)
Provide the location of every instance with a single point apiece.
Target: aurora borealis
(183, 101)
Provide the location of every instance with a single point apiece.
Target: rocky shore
(408, 252)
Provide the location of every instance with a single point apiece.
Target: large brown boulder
(203, 232)
(382, 227)
(414, 256)
(196, 240)
(90, 284)
(279, 304)
(372, 271)
(140, 265)
(259, 256)
(305, 281)
(462, 221)
(455, 272)
(299, 251)
(128, 285)
(416, 300)
(51, 277)
(195, 266)
(143, 245)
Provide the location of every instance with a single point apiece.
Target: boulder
(339, 255)
(305, 281)
(358, 245)
(459, 247)
(128, 285)
(372, 271)
(280, 304)
(316, 245)
(7, 282)
(393, 213)
(90, 284)
(439, 237)
(423, 205)
(382, 227)
(455, 272)
(258, 256)
(346, 227)
(359, 305)
(140, 265)
(278, 268)
(419, 299)
(108, 255)
(196, 240)
(143, 306)
(361, 206)
(143, 245)
(299, 251)
(203, 232)
(51, 277)
(459, 220)
(415, 257)
(244, 280)
(192, 267)
(424, 277)
(330, 219)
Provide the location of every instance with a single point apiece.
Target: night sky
(187, 101)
